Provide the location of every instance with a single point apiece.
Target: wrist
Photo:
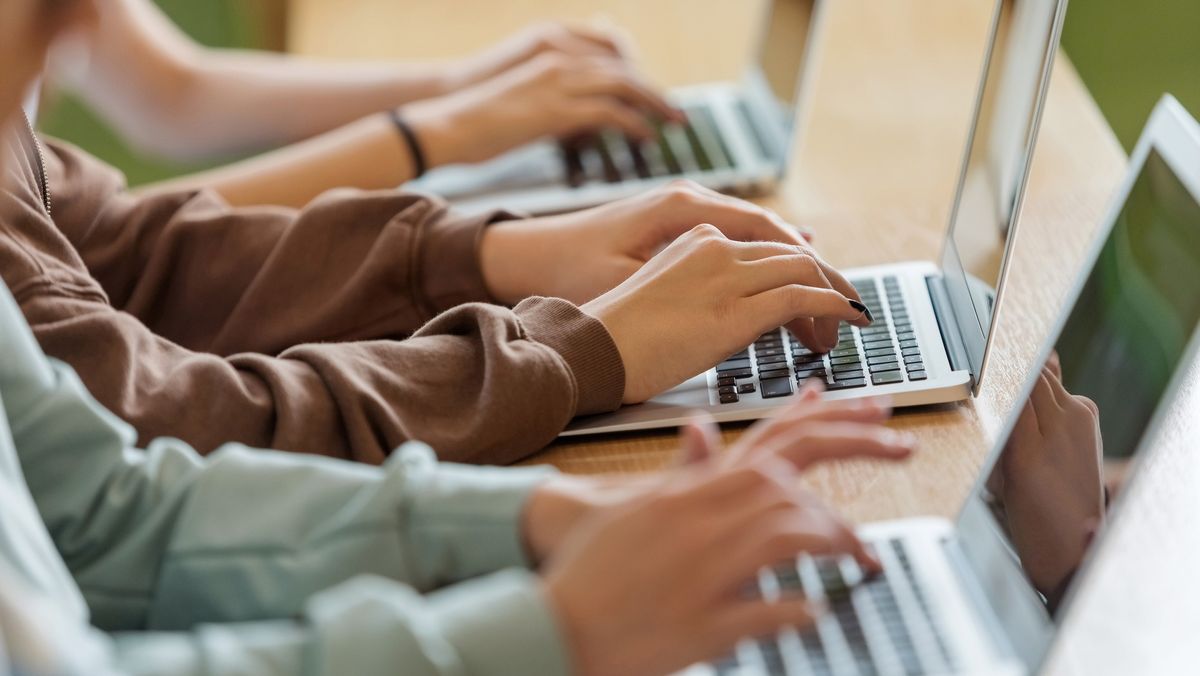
(435, 124)
(553, 510)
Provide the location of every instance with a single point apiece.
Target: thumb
(699, 440)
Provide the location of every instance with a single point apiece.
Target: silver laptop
(737, 138)
(933, 322)
(988, 593)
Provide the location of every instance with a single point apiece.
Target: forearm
(368, 154)
(497, 625)
(176, 98)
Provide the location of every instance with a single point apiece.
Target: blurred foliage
(1130, 53)
(219, 23)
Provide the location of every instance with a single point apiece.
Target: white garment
(32, 99)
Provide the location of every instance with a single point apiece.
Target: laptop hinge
(970, 585)
(943, 312)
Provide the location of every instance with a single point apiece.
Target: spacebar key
(775, 387)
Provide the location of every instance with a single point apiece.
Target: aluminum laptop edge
(744, 128)
(933, 321)
(990, 592)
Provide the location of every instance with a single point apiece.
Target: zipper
(41, 162)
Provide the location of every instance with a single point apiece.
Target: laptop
(933, 322)
(989, 592)
(736, 140)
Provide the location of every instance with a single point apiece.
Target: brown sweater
(341, 329)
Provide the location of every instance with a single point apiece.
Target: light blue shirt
(116, 560)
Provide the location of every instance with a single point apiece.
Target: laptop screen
(775, 79)
(1025, 37)
(1067, 456)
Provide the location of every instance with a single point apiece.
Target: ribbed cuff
(585, 344)
(450, 273)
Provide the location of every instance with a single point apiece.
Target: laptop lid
(1054, 481)
(775, 83)
(991, 185)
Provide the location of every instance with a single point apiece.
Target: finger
(784, 304)
(605, 35)
(752, 619)
(601, 112)
(1062, 397)
(607, 77)
(1054, 365)
(1089, 403)
(748, 221)
(805, 331)
(826, 329)
(1043, 401)
(699, 439)
(837, 441)
(797, 419)
(768, 540)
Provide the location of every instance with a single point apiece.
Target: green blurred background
(1128, 52)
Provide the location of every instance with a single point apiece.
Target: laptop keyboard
(677, 149)
(879, 625)
(884, 353)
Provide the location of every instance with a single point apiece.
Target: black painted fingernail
(863, 309)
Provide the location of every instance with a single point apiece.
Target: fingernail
(862, 309)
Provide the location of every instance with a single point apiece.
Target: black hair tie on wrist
(410, 139)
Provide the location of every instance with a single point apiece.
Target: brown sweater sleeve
(352, 265)
(480, 383)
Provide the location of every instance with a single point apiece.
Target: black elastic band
(410, 139)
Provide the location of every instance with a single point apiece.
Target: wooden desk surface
(877, 162)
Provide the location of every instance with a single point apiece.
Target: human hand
(547, 37)
(658, 583)
(803, 433)
(582, 254)
(705, 296)
(551, 95)
(1049, 481)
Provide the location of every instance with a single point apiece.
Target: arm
(162, 540)
(174, 97)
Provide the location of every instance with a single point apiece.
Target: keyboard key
(882, 359)
(915, 366)
(847, 368)
(729, 398)
(727, 389)
(907, 344)
(805, 375)
(776, 387)
(741, 373)
(909, 351)
(771, 359)
(883, 368)
(732, 365)
(880, 351)
(768, 351)
(722, 381)
(745, 388)
(917, 375)
(839, 361)
(774, 373)
(911, 358)
(846, 384)
(887, 378)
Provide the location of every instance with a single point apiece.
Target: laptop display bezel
(760, 98)
(976, 341)
(1175, 137)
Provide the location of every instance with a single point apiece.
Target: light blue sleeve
(252, 561)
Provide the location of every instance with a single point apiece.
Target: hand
(552, 95)
(550, 37)
(580, 255)
(704, 297)
(806, 432)
(1049, 481)
(653, 584)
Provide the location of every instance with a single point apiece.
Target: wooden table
(876, 165)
